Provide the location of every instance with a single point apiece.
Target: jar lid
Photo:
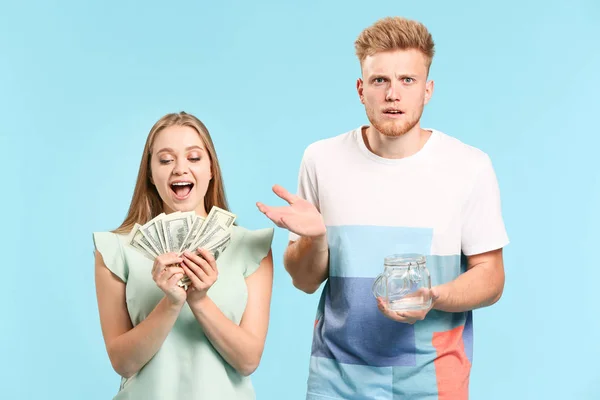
(404, 260)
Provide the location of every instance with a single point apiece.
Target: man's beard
(392, 127)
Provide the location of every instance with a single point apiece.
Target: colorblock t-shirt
(442, 202)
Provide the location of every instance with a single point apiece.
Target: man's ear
(359, 89)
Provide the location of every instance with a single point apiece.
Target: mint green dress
(187, 366)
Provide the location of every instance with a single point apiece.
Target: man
(393, 187)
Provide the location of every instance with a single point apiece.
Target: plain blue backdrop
(82, 82)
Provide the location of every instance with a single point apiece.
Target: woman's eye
(165, 161)
(194, 159)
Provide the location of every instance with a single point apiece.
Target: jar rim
(404, 259)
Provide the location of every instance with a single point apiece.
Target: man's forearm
(480, 286)
(307, 262)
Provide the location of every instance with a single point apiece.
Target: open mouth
(182, 189)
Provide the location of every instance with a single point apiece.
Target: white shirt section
(448, 186)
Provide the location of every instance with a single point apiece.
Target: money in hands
(179, 232)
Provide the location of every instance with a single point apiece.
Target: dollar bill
(214, 228)
(137, 240)
(192, 234)
(175, 227)
(219, 247)
(159, 227)
(183, 231)
(150, 232)
(217, 216)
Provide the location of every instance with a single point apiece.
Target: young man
(393, 187)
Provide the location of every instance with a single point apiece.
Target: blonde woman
(167, 342)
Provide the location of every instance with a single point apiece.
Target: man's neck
(395, 147)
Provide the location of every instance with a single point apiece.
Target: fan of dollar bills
(183, 231)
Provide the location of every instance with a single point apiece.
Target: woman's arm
(129, 348)
(240, 345)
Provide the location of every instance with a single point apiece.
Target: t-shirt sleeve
(307, 188)
(483, 226)
(256, 244)
(109, 245)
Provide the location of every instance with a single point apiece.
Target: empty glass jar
(405, 282)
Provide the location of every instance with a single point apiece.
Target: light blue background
(82, 82)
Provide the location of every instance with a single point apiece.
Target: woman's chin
(182, 206)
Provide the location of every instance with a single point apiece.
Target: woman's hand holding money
(201, 269)
(166, 273)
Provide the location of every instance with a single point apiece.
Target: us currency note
(217, 223)
(217, 216)
(138, 241)
(159, 227)
(176, 228)
(150, 232)
(192, 235)
(181, 231)
(219, 247)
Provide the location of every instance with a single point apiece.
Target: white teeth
(181, 183)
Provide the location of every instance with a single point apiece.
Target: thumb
(262, 207)
(435, 294)
(284, 194)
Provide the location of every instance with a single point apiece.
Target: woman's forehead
(178, 137)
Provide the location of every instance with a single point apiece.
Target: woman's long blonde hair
(146, 202)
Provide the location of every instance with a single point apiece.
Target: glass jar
(405, 283)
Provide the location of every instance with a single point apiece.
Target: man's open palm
(300, 216)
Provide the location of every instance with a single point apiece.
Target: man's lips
(393, 111)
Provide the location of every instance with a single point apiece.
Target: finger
(393, 315)
(165, 260)
(196, 282)
(412, 315)
(195, 269)
(172, 281)
(269, 212)
(200, 262)
(263, 208)
(435, 294)
(208, 269)
(209, 258)
(284, 224)
(169, 272)
(168, 258)
(277, 218)
(159, 273)
(284, 194)
(400, 317)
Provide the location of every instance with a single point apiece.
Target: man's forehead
(395, 61)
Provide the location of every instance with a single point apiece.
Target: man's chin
(391, 128)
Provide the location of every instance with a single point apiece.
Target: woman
(165, 341)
